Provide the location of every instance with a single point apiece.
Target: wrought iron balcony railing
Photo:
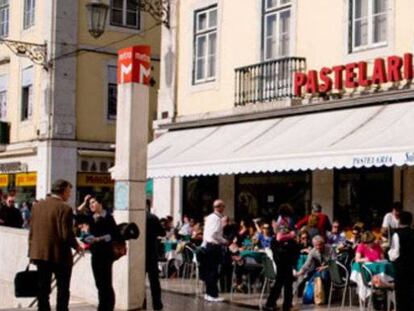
(267, 81)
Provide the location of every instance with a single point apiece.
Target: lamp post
(97, 14)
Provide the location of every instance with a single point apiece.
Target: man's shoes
(158, 306)
(213, 299)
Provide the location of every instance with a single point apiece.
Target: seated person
(318, 257)
(336, 236)
(265, 237)
(304, 241)
(368, 250)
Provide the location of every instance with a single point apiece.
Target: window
(276, 32)
(27, 93)
(29, 13)
(3, 105)
(205, 44)
(368, 23)
(112, 93)
(4, 18)
(125, 13)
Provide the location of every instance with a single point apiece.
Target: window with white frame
(205, 44)
(111, 93)
(368, 23)
(4, 18)
(125, 13)
(29, 13)
(27, 94)
(277, 27)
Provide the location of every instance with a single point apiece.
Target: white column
(130, 172)
(323, 190)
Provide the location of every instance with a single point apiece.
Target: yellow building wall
(91, 86)
(319, 31)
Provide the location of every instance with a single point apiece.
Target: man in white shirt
(213, 241)
(402, 254)
(392, 220)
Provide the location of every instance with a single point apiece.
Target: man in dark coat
(285, 254)
(402, 254)
(10, 216)
(154, 230)
(51, 239)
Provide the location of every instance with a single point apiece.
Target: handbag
(308, 293)
(119, 249)
(319, 292)
(26, 283)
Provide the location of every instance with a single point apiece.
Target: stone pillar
(130, 171)
(227, 194)
(177, 211)
(323, 190)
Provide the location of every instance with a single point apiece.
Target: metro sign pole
(130, 171)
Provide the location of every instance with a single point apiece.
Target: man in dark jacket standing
(10, 216)
(154, 230)
(402, 254)
(285, 254)
(51, 238)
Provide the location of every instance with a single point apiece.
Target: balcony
(267, 81)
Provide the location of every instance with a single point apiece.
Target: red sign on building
(134, 65)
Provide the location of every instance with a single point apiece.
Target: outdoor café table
(384, 269)
(255, 255)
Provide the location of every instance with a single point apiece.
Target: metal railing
(267, 81)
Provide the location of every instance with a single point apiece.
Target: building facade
(273, 101)
(58, 117)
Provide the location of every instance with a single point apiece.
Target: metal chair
(367, 276)
(189, 263)
(339, 280)
(269, 273)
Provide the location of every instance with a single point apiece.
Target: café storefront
(353, 153)
(15, 180)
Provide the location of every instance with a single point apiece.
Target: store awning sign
(13, 167)
(377, 160)
(352, 75)
(95, 180)
(26, 180)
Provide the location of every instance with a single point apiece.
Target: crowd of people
(300, 248)
(13, 215)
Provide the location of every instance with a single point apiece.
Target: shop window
(260, 195)
(276, 28)
(125, 13)
(199, 194)
(103, 166)
(84, 166)
(368, 23)
(205, 44)
(29, 13)
(363, 195)
(4, 18)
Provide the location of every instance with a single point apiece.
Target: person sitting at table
(197, 234)
(391, 220)
(304, 241)
(245, 230)
(185, 230)
(317, 261)
(368, 250)
(336, 236)
(264, 236)
(285, 218)
(323, 224)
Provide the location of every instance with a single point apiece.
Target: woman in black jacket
(103, 230)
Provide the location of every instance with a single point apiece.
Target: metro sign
(134, 65)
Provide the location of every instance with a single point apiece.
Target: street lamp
(97, 13)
